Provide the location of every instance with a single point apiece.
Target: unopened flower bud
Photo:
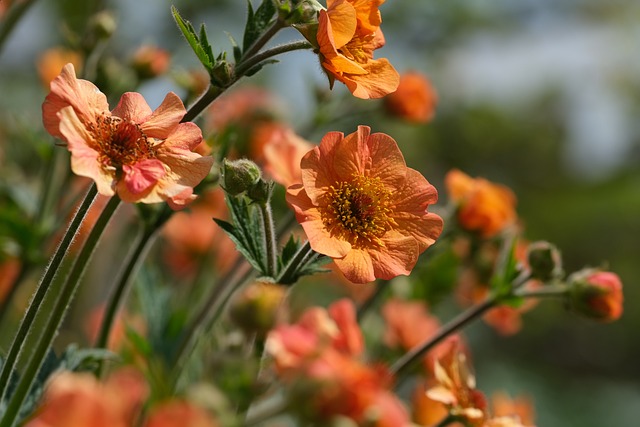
(300, 12)
(222, 73)
(544, 261)
(150, 61)
(239, 176)
(261, 191)
(256, 309)
(103, 25)
(596, 294)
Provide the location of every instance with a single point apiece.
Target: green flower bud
(544, 260)
(239, 176)
(261, 191)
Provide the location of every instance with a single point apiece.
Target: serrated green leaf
(258, 22)
(289, 250)
(237, 52)
(188, 31)
(242, 246)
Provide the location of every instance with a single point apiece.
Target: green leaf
(237, 52)
(257, 22)
(289, 250)
(242, 245)
(200, 45)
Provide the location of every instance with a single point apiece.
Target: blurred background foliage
(540, 95)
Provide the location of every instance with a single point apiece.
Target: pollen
(120, 142)
(358, 211)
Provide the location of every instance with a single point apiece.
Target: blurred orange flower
(118, 336)
(362, 206)
(520, 408)
(80, 400)
(140, 155)
(318, 358)
(414, 100)
(51, 62)
(283, 150)
(150, 61)
(483, 206)
(179, 413)
(9, 271)
(348, 33)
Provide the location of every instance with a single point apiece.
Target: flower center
(120, 142)
(358, 211)
(359, 49)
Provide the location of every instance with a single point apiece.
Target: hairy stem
(270, 238)
(57, 314)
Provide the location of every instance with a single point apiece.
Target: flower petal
(132, 106)
(309, 217)
(356, 266)
(185, 136)
(66, 90)
(318, 166)
(381, 80)
(143, 175)
(165, 118)
(398, 256)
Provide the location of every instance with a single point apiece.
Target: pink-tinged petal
(185, 136)
(392, 412)
(185, 167)
(165, 118)
(356, 266)
(132, 106)
(397, 257)
(84, 159)
(350, 339)
(143, 175)
(66, 90)
(310, 219)
(182, 199)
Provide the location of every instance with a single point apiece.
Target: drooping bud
(545, 261)
(239, 176)
(102, 25)
(261, 191)
(596, 294)
(256, 308)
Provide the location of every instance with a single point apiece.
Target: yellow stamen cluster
(120, 142)
(358, 211)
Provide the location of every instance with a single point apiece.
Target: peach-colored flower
(409, 325)
(140, 155)
(483, 206)
(118, 336)
(51, 62)
(150, 61)
(414, 100)
(426, 411)
(241, 107)
(283, 150)
(348, 33)
(79, 400)
(9, 271)
(318, 359)
(179, 413)
(362, 206)
(456, 388)
(597, 294)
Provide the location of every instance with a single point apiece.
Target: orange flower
(53, 60)
(79, 400)
(415, 100)
(150, 61)
(178, 413)
(597, 294)
(362, 206)
(519, 408)
(9, 271)
(318, 359)
(348, 33)
(140, 155)
(282, 151)
(483, 206)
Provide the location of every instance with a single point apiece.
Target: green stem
(132, 263)
(547, 291)
(299, 260)
(263, 39)
(266, 412)
(12, 17)
(381, 287)
(400, 367)
(213, 92)
(270, 238)
(57, 314)
(9, 364)
(209, 312)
